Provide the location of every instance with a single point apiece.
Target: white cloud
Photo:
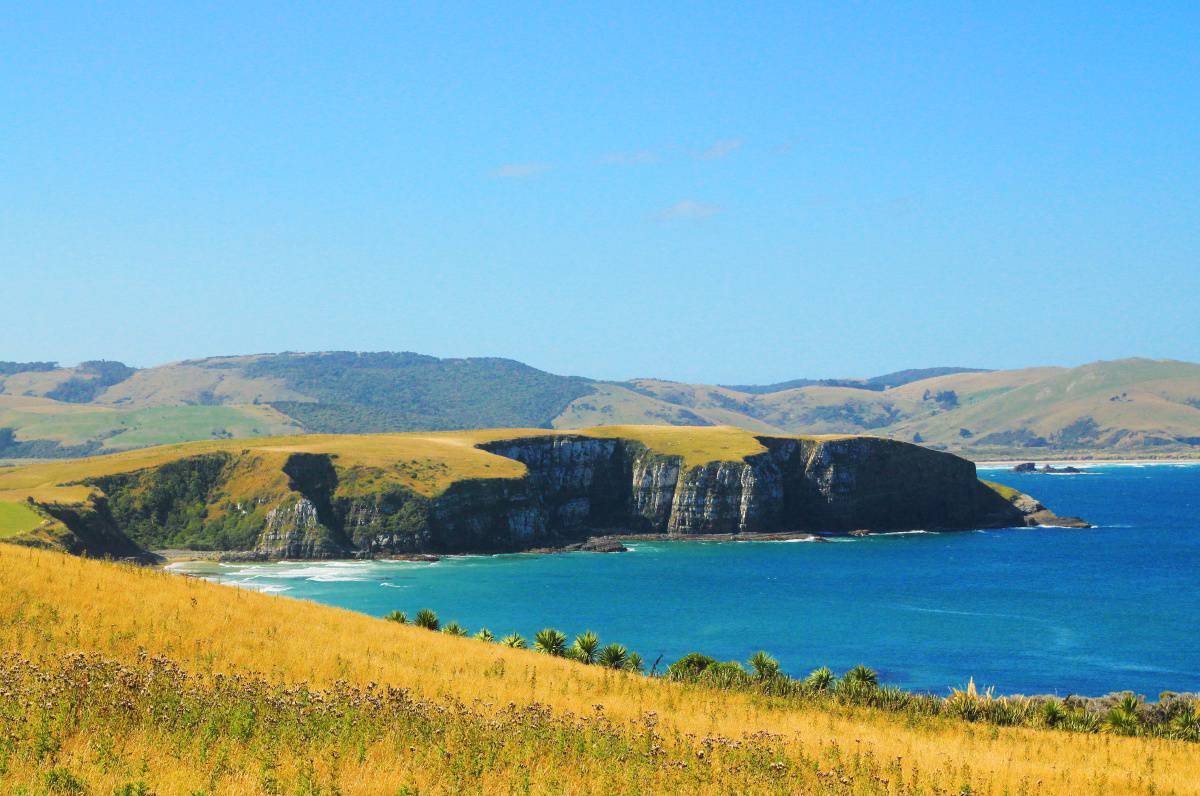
(631, 158)
(688, 210)
(517, 171)
(719, 149)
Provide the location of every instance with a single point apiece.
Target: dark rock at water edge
(576, 487)
(1031, 467)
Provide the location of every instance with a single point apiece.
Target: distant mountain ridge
(897, 379)
(1132, 407)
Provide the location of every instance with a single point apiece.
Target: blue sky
(703, 192)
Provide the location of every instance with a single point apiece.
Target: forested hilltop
(1125, 408)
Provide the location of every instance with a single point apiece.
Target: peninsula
(497, 490)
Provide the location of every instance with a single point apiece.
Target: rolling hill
(1124, 408)
(127, 680)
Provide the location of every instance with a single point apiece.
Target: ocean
(1031, 611)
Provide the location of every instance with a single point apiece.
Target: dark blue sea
(1043, 610)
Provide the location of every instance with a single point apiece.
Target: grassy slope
(35, 383)
(1157, 399)
(808, 410)
(614, 404)
(17, 518)
(75, 424)
(52, 604)
(1154, 395)
(181, 383)
(427, 463)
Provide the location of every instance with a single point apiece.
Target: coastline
(1002, 463)
(605, 543)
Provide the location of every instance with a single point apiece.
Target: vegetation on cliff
(499, 490)
(119, 679)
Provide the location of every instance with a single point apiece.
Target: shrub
(1123, 719)
(454, 629)
(485, 635)
(60, 780)
(549, 641)
(728, 674)
(690, 666)
(614, 656)
(861, 675)
(427, 619)
(399, 617)
(515, 640)
(586, 645)
(1052, 713)
(1186, 726)
(765, 667)
(1079, 720)
(968, 703)
(820, 680)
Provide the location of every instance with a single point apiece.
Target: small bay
(1040, 610)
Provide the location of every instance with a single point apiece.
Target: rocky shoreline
(577, 493)
(606, 543)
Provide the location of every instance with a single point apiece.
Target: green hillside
(1136, 407)
(49, 412)
(377, 392)
(44, 428)
(17, 518)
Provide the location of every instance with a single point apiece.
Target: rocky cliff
(306, 505)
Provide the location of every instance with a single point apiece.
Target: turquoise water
(1046, 610)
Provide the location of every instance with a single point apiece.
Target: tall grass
(123, 680)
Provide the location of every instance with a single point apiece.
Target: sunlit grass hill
(118, 679)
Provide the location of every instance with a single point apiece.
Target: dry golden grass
(51, 604)
(425, 462)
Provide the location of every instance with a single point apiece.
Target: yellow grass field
(586, 736)
(428, 462)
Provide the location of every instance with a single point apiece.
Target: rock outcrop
(575, 486)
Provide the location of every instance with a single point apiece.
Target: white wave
(985, 614)
(393, 586)
(794, 541)
(905, 533)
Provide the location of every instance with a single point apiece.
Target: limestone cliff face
(294, 530)
(579, 484)
(575, 485)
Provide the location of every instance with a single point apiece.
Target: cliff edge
(503, 491)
